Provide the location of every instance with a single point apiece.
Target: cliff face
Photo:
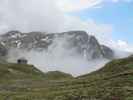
(107, 52)
(79, 42)
(3, 53)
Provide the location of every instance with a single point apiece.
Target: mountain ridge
(83, 44)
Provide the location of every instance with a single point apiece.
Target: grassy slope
(15, 71)
(112, 82)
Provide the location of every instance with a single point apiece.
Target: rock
(3, 53)
(107, 52)
(77, 43)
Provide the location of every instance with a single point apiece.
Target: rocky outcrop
(79, 42)
(107, 52)
(3, 53)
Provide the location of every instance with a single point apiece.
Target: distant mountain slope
(74, 42)
(113, 82)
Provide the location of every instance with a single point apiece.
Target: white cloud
(123, 45)
(120, 45)
(78, 5)
(101, 31)
(46, 15)
(31, 15)
(43, 15)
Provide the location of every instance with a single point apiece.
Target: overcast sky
(110, 21)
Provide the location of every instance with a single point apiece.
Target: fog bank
(58, 57)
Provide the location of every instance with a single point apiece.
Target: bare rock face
(79, 42)
(107, 52)
(3, 50)
(3, 53)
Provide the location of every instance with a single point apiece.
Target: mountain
(107, 52)
(112, 82)
(74, 43)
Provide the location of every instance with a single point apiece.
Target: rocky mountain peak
(12, 34)
(80, 42)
